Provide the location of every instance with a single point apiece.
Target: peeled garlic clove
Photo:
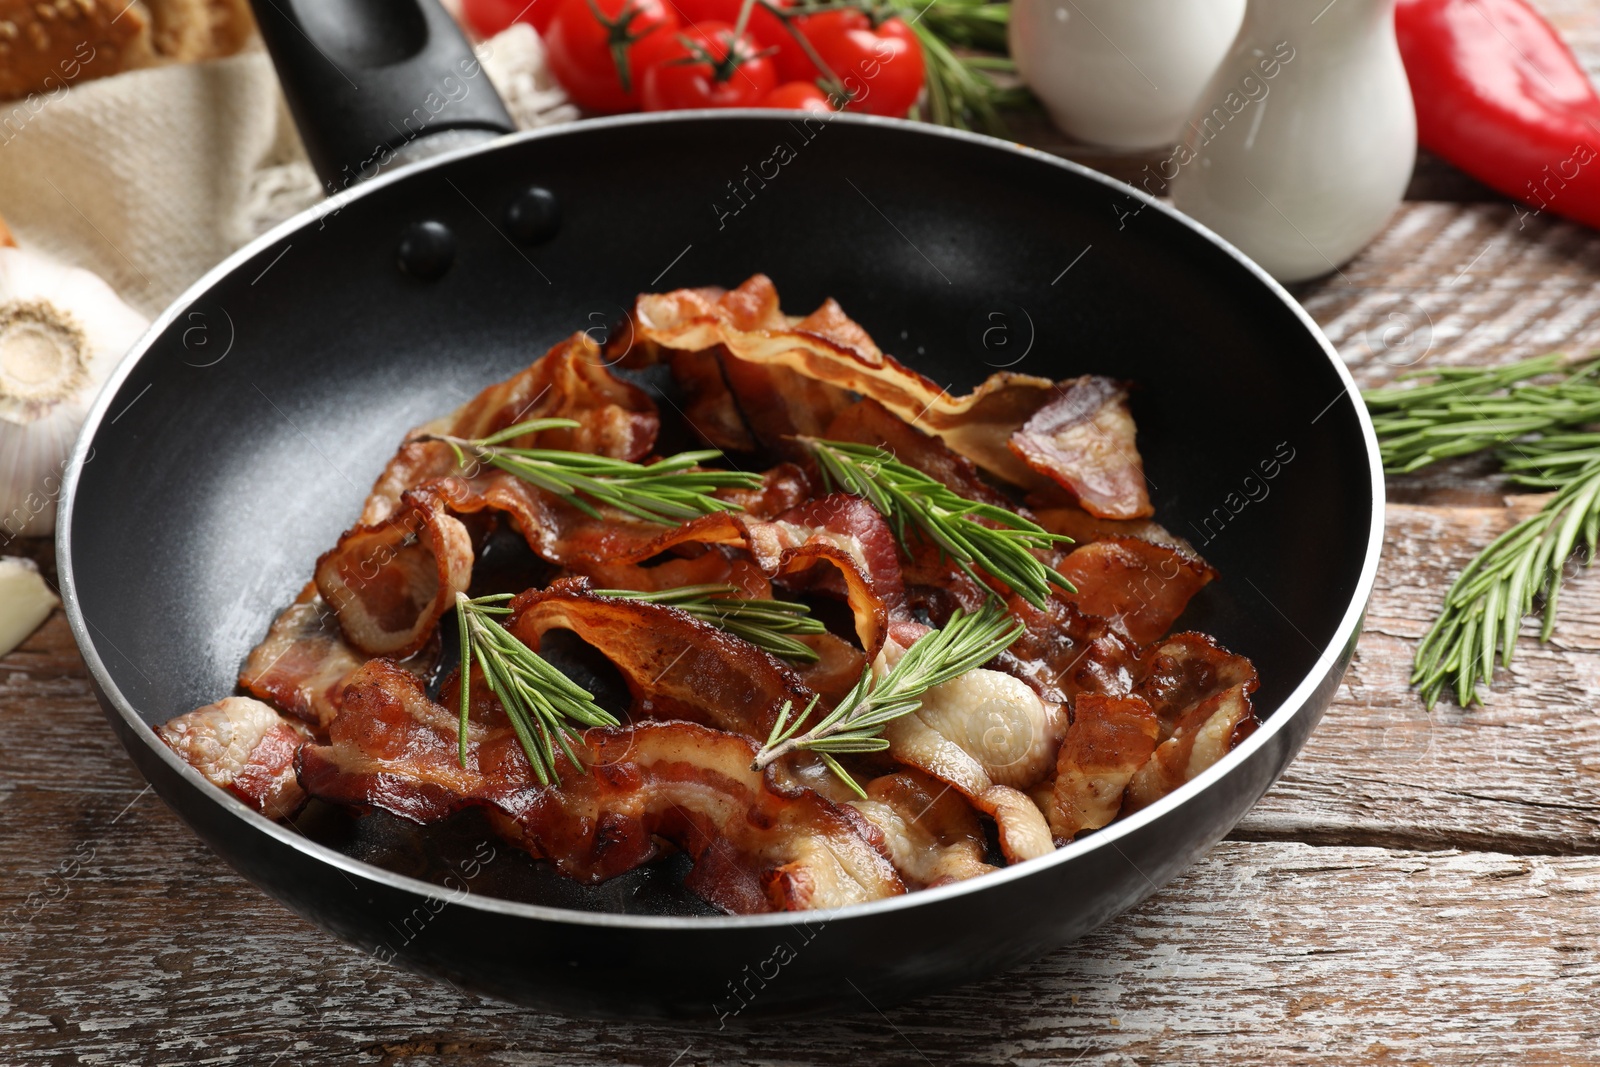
(25, 601)
(62, 329)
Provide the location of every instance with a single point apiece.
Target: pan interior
(245, 438)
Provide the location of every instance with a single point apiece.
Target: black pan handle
(376, 83)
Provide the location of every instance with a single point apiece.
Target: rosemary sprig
(668, 491)
(1484, 609)
(1470, 409)
(969, 532)
(766, 624)
(544, 705)
(856, 724)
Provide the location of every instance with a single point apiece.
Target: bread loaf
(46, 45)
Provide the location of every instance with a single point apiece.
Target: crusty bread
(47, 44)
(186, 31)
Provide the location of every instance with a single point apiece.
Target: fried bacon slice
(571, 381)
(1064, 652)
(839, 544)
(304, 662)
(868, 422)
(390, 583)
(931, 832)
(827, 347)
(1109, 740)
(676, 666)
(1185, 670)
(708, 402)
(1083, 439)
(1138, 587)
(245, 747)
(1082, 527)
(756, 846)
(1204, 735)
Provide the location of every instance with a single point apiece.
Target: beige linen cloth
(150, 177)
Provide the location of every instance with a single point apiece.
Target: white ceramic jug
(1123, 73)
(1302, 145)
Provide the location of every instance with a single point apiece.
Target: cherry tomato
(768, 30)
(489, 17)
(581, 48)
(797, 96)
(707, 66)
(881, 67)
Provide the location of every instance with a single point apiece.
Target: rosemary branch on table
(668, 491)
(971, 533)
(1469, 409)
(856, 723)
(767, 624)
(544, 705)
(1529, 425)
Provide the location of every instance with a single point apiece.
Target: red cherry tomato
(489, 17)
(767, 29)
(707, 66)
(797, 96)
(581, 48)
(881, 67)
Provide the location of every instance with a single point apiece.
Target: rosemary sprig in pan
(908, 498)
(766, 624)
(1484, 609)
(668, 491)
(1469, 409)
(856, 724)
(544, 705)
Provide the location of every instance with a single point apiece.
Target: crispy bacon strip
(1186, 670)
(390, 583)
(245, 747)
(1199, 739)
(1083, 527)
(1138, 587)
(1083, 439)
(303, 663)
(709, 404)
(756, 846)
(931, 833)
(868, 422)
(676, 666)
(1064, 652)
(1024, 834)
(827, 347)
(1109, 740)
(571, 381)
(860, 553)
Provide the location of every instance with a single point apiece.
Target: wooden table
(1421, 887)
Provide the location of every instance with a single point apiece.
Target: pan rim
(1293, 705)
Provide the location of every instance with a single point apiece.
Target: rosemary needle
(545, 706)
(668, 491)
(856, 724)
(766, 624)
(971, 533)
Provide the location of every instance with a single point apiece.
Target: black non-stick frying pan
(241, 435)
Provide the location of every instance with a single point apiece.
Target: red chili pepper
(1500, 95)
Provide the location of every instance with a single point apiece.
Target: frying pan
(240, 436)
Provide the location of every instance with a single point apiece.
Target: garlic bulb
(62, 329)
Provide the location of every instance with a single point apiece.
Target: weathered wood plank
(1520, 774)
(1281, 953)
